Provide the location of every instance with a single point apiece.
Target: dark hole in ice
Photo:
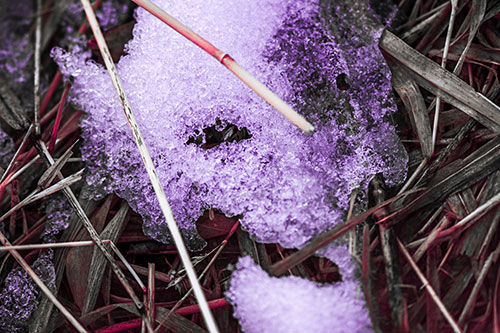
(212, 137)
(342, 83)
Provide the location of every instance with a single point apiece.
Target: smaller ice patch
(292, 304)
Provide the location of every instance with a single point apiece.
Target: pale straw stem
(454, 4)
(429, 288)
(151, 170)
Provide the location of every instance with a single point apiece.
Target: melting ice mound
(321, 57)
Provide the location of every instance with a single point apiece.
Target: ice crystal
(6, 149)
(58, 211)
(15, 47)
(19, 296)
(321, 56)
(109, 14)
(292, 304)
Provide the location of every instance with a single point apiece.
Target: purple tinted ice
(321, 58)
(20, 295)
(291, 304)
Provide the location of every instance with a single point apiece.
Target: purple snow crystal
(6, 149)
(58, 211)
(109, 14)
(320, 56)
(19, 296)
(15, 46)
(292, 304)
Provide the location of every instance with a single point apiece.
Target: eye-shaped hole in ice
(211, 136)
(342, 82)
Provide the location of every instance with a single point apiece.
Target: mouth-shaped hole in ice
(210, 137)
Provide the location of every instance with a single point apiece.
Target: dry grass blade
(127, 265)
(98, 264)
(484, 161)
(60, 107)
(19, 172)
(479, 211)
(48, 176)
(429, 289)
(444, 153)
(62, 184)
(327, 237)
(419, 253)
(144, 272)
(43, 312)
(409, 183)
(216, 255)
(53, 21)
(479, 10)
(390, 254)
(441, 82)
(493, 9)
(264, 92)
(42, 286)
(45, 155)
(151, 170)
(492, 258)
(11, 110)
(176, 323)
(454, 5)
(413, 34)
(16, 154)
(411, 96)
(476, 53)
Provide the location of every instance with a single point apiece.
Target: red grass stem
(57, 123)
(50, 93)
(185, 311)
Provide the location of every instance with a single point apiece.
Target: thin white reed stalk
(24, 168)
(50, 245)
(44, 153)
(42, 285)
(413, 177)
(429, 288)
(151, 294)
(492, 202)
(454, 5)
(127, 265)
(151, 170)
(492, 258)
(225, 59)
(38, 41)
(64, 183)
(186, 295)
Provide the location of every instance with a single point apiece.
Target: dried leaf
(415, 105)
(11, 110)
(79, 258)
(98, 264)
(478, 11)
(441, 82)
